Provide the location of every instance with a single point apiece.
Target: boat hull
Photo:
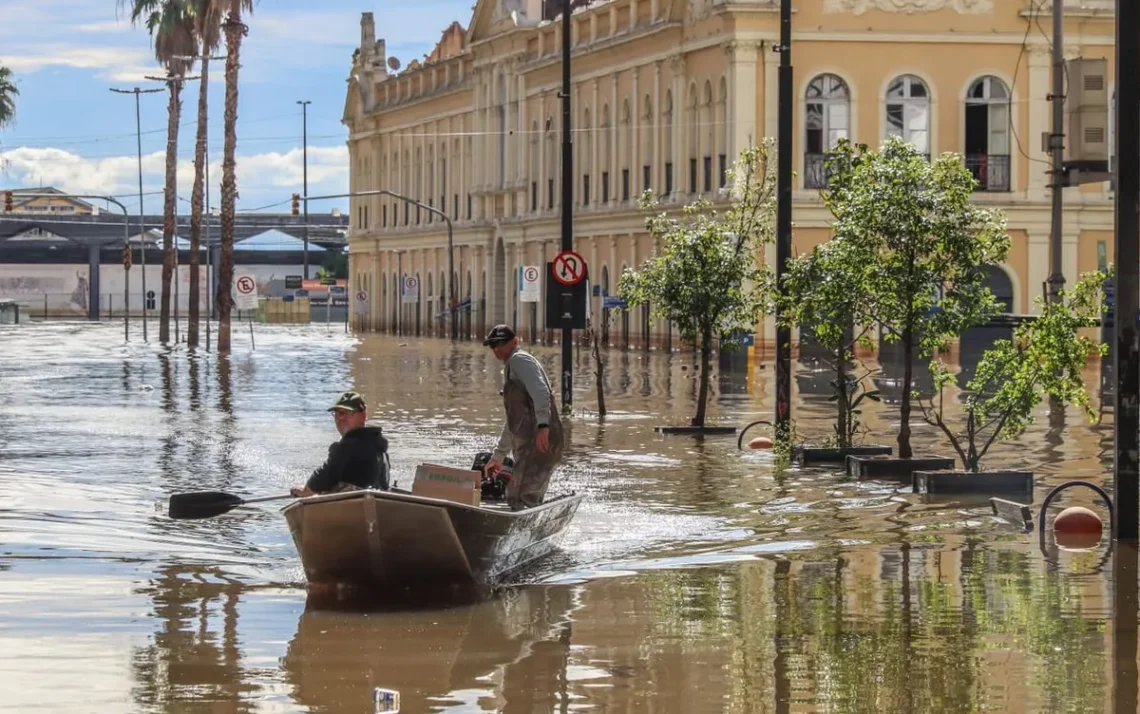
(393, 538)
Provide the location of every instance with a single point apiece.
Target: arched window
(693, 118)
(534, 165)
(908, 111)
(827, 113)
(648, 131)
(551, 164)
(627, 152)
(722, 133)
(607, 153)
(501, 111)
(667, 141)
(586, 156)
(709, 136)
(987, 133)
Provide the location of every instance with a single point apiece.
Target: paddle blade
(204, 504)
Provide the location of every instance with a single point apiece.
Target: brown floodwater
(695, 578)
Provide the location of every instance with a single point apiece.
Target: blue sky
(71, 132)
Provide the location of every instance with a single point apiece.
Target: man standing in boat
(358, 460)
(533, 431)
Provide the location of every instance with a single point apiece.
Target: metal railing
(990, 170)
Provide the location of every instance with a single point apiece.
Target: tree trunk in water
(173, 115)
(196, 200)
(904, 409)
(599, 373)
(703, 395)
(843, 431)
(234, 31)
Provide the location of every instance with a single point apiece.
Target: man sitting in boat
(533, 431)
(358, 460)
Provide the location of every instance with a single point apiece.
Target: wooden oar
(207, 504)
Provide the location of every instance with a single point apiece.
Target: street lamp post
(430, 209)
(142, 229)
(305, 174)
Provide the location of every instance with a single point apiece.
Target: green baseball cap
(349, 402)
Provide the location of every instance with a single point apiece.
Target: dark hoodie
(360, 458)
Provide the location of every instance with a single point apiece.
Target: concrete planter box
(884, 468)
(696, 430)
(807, 456)
(984, 483)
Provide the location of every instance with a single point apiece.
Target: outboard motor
(494, 486)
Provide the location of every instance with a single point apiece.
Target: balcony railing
(815, 170)
(990, 170)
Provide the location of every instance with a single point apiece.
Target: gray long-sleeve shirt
(525, 368)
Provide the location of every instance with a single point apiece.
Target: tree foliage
(826, 293)
(1045, 357)
(928, 247)
(8, 93)
(707, 279)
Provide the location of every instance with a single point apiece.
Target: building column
(635, 122)
(595, 140)
(615, 152)
(1040, 122)
(464, 181)
(1038, 267)
(680, 153)
(522, 140)
(658, 161)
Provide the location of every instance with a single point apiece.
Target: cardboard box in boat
(448, 484)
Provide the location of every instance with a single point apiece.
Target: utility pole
(567, 205)
(784, 218)
(142, 229)
(1057, 148)
(305, 174)
(1126, 419)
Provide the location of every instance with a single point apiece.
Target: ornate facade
(665, 94)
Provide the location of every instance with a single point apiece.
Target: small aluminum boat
(372, 538)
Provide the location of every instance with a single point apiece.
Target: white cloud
(272, 175)
(121, 64)
(105, 26)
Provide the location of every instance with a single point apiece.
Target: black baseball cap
(499, 335)
(348, 402)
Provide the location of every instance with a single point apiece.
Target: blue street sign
(301, 293)
(611, 302)
(288, 298)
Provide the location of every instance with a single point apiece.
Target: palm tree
(8, 94)
(207, 27)
(171, 26)
(234, 30)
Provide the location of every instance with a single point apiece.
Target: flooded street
(695, 577)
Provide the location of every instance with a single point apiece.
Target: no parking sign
(411, 289)
(528, 283)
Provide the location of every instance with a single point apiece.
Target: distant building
(57, 204)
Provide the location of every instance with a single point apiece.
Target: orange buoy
(1077, 527)
(761, 442)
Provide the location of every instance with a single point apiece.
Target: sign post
(528, 283)
(245, 288)
(566, 304)
(361, 307)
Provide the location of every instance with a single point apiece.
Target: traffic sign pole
(567, 206)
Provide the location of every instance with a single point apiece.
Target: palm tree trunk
(196, 200)
(173, 116)
(234, 30)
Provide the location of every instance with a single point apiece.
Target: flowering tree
(928, 247)
(707, 278)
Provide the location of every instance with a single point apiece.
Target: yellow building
(665, 94)
(57, 204)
